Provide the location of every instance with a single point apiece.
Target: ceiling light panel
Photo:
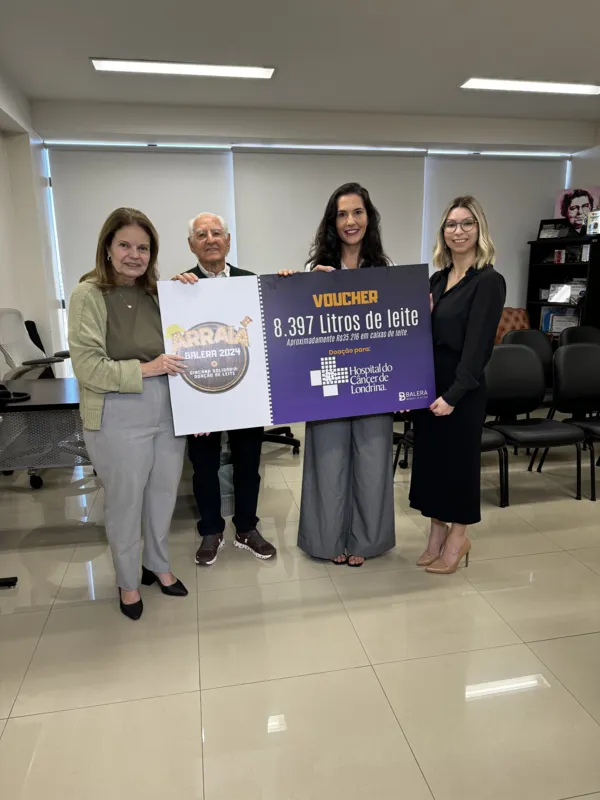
(173, 68)
(540, 87)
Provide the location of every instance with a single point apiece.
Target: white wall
(8, 290)
(280, 200)
(37, 294)
(516, 195)
(15, 110)
(88, 120)
(586, 168)
(169, 187)
(26, 279)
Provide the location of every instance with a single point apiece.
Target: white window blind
(169, 188)
(280, 200)
(515, 193)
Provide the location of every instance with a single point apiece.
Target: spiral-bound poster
(272, 350)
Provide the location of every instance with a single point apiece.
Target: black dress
(445, 481)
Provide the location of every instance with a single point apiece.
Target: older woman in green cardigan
(117, 352)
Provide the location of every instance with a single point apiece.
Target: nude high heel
(425, 560)
(444, 569)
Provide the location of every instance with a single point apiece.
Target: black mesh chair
(541, 345)
(399, 439)
(580, 334)
(282, 435)
(516, 386)
(577, 382)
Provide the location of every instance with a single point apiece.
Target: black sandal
(340, 563)
(355, 565)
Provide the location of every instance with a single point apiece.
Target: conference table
(43, 432)
(40, 433)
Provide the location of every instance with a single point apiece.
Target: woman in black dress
(467, 298)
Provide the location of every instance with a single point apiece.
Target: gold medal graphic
(216, 355)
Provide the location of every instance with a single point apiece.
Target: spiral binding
(266, 347)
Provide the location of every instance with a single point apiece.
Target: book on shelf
(557, 228)
(569, 255)
(593, 223)
(560, 323)
(572, 292)
(550, 313)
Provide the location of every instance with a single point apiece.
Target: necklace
(129, 305)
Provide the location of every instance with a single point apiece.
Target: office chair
(26, 359)
(541, 345)
(22, 356)
(490, 440)
(580, 334)
(516, 386)
(577, 382)
(282, 435)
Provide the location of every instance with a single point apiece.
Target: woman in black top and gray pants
(467, 298)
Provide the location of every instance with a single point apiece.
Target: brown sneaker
(208, 551)
(253, 541)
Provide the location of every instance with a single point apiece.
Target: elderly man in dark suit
(210, 241)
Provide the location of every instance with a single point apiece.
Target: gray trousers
(347, 488)
(139, 461)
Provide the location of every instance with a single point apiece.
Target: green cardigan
(96, 372)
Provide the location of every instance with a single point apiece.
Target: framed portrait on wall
(575, 204)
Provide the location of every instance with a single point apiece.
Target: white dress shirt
(225, 273)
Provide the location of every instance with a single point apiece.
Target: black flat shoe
(176, 589)
(131, 610)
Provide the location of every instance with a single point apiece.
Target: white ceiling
(345, 55)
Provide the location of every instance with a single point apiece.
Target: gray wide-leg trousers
(139, 461)
(347, 501)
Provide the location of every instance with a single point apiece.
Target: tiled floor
(296, 679)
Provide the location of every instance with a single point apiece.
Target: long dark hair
(327, 246)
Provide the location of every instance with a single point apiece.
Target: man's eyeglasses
(466, 225)
(202, 235)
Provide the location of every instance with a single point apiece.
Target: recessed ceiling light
(542, 87)
(173, 68)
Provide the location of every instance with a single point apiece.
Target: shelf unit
(542, 274)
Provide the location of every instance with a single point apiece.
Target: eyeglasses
(466, 225)
(202, 235)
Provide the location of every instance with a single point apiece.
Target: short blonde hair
(486, 252)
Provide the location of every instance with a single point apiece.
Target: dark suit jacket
(234, 272)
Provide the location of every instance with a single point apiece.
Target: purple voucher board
(348, 343)
(268, 350)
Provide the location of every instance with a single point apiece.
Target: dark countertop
(46, 395)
